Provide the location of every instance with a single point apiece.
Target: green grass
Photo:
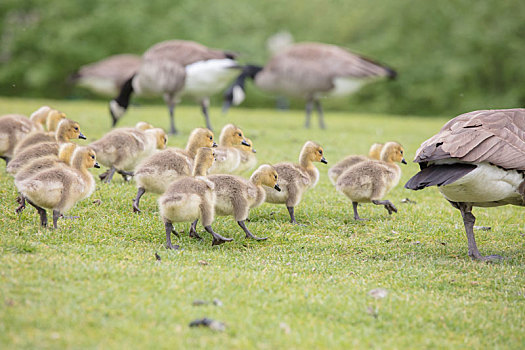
(95, 282)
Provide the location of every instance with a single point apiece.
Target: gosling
(236, 195)
(13, 129)
(159, 170)
(53, 118)
(40, 164)
(295, 179)
(227, 156)
(191, 198)
(339, 168)
(67, 130)
(59, 188)
(371, 180)
(124, 148)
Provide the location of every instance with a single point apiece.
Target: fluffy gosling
(53, 118)
(227, 156)
(371, 180)
(339, 168)
(191, 198)
(156, 172)
(60, 188)
(295, 179)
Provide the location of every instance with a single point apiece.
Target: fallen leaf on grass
(97, 202)
(378, 293)
(203, 262)
(285, 328)
(408, 201)
(208, 322)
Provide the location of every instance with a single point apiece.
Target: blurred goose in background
(371, 180)
(476, 160)
(310, 71)
(174, 69)
(107, 76)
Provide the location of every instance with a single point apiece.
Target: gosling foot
(22, 201)
(248, 233)
(387, 204)
(193, 230)
(217, 238)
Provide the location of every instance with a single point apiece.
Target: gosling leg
(108, 175)
(193, 230)
(356, 214)
(56, 215)
(248, 233)
(169, 229)
(41, 212)
(387, 204)
(136, 201)
(217, 238)
(468, 220)
(22, 201)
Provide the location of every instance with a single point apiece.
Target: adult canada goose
(123, 149)
(158, 171)
(477, 159)
(371, 180)
(67, 130)
(60, 188)
(295, 179)
(191, 198)
(373, 153)
(235, 195)
(107, 76)
(174, 69)
(310, 71)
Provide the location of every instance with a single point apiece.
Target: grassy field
(95, 282)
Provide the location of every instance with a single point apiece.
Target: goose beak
(81, 136)
(277, 187)
(245, 143)
(253, 150)
(324, 161)
(403, 161)
(214, 144)
(96, 165)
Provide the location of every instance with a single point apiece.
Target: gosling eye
(211, 138)
(275, 176)
(76, 128)
(401, 152)
(239, 134)
(320, 152)
(92, 157)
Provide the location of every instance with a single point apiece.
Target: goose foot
(217, 238)
(248, 233)
(136, 201)
(356, 214)
(387, 204)
(193, 230)
(292, 216)
(169, 230)
(22, 201)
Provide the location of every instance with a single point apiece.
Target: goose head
(312, 152)
(84, 158)
(53, 118)
(266, 175)
(160, 136)
(143, 126)
(393, 152)
(201, 137)
(69, 129)
(231, 135)
(375, 151)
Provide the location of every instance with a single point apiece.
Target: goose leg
(356, 214)
(193, 230)
(170, 101)
(468, 220)
(205, 103)
(292, 216)
(107, 176)
(22, 201)
(309, 107)
(169, 229)
(125, 174)
(320, 114)
(56, 215)
(136, 201)
(248, 233)
(387, 204)
(41, 212)
(217, 238)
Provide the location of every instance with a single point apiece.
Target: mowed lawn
(95, 282)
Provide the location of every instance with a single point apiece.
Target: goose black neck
(125, 93)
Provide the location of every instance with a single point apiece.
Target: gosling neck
(78, 164)
(200, 169)
(305, 161)
(260, 197)
(191, 148)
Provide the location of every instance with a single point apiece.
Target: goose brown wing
(494, 136)
(183, 52)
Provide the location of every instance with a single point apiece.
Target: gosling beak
(245, 143)
(403, 161)
(214, 144)
(324, 161)
(96, 165)
(277, 187)
(81, 136)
